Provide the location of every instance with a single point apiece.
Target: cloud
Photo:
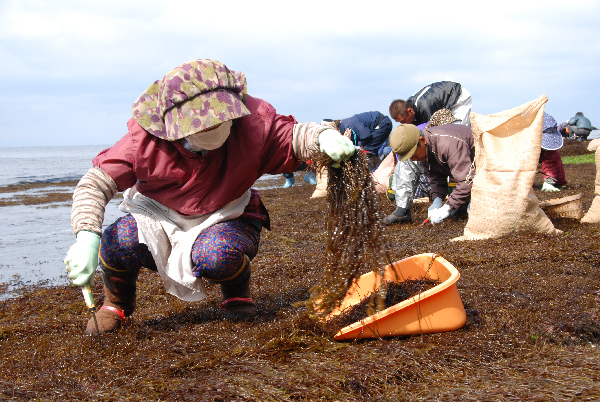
(315, 59)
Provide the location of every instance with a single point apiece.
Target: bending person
(195, 145)
(369, 131)
(444, 151)
(420, 107)
(552, 166)
(409, 181)
(579, 127)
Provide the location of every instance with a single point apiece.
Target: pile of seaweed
(532, 331)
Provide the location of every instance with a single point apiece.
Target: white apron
(170, 237)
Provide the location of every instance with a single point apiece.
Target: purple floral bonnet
(193, 97)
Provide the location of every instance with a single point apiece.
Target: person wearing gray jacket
(579, 127)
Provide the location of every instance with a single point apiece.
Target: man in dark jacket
(445, 150)
(369, 130)
(419, 108)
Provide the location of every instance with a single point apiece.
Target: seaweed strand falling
(356, 242)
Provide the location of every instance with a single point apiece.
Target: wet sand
(532, 331)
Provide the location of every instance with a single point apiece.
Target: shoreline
(37, 193)
(35, 228)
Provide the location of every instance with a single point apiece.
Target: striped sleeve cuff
(306, 139)
(95, 189)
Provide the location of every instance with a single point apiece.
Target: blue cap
(551, 138)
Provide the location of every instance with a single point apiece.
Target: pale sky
(71, 69)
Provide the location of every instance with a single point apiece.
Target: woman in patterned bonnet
(195, 145)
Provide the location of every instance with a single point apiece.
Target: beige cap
(404, 140)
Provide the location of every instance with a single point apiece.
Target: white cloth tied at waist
(170, 237)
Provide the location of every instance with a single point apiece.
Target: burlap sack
(593, 145)
(321, 189)
(507, 151)
(381, 175)
(593, 214)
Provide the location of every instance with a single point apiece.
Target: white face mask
(211, 139)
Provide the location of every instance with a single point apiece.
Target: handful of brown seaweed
(356, 243)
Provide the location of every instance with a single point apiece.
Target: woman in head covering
(196, 144)
(552, 167)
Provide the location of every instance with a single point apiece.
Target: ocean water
(45, 164)
(34, 239)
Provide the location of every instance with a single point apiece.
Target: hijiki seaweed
(397, 292)
(356, 242)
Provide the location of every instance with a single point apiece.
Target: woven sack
(507, 151)
(381, 175)
(593, 214)
(321, 189)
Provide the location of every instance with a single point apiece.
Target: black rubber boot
(237, 302)
(400, 215)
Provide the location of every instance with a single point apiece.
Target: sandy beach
(532, 330)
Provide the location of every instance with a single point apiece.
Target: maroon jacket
(552, 167)
(260, 143)
(450, 152)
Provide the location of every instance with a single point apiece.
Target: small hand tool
(89, 300)
(424, 223)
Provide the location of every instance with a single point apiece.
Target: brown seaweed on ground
(356, 242)
(532, 331)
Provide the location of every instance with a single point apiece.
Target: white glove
(549, 187)
(436, 204)
(438, 215)
(82, 258)
(335, 145)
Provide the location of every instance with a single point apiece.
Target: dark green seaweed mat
(532, 332)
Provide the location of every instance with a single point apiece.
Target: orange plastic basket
(438, 309)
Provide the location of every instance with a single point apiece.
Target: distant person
(579, 127)
(309, 177)
(552, 166)
(369, 131)
(196, 144)
(445, 151)
(419, 108)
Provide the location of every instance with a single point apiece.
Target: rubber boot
(400, 215)
(113, 313)
(289, 182)
(310, 178)
(119, 301)
(237, 302)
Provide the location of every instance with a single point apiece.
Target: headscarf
(193, 97)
